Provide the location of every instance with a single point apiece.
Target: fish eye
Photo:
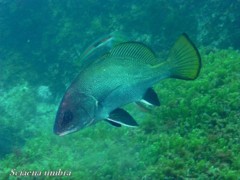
(67, 117)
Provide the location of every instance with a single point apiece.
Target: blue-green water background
(193, 134)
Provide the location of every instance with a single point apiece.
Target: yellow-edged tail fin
(184, 59)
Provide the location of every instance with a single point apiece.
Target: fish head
(75, 112)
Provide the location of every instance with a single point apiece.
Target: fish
(101, 46)
(123, 74)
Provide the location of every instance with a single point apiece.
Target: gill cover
(76, 111)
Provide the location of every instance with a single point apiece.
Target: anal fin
(150, 98)
(121, 117)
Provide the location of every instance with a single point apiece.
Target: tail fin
(184, 59)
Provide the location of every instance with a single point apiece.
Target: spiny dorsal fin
(134, 51)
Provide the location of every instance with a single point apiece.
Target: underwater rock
(44, 93)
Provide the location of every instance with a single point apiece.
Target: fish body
(122, 75)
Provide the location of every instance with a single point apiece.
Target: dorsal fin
(134, 51)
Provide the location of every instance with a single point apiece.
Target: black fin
(150, 98)
(122, 117)
(113, 123)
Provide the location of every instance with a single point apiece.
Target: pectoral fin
(150, 98)
(120, 117)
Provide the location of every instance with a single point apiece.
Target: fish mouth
(66, 132)
(90, 122)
